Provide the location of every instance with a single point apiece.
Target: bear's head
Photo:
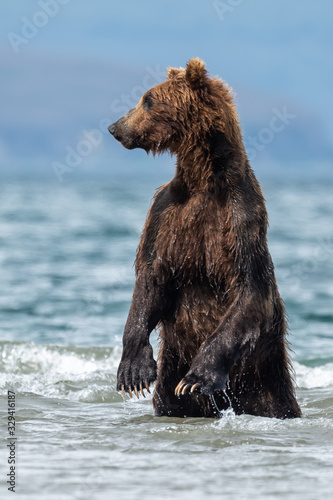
(180, 113)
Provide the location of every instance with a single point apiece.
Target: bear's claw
(136, 390)
(193, 383)
(195, 386)
(183, 388)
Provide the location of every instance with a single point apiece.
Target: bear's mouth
(130, 140)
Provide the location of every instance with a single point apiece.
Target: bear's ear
(196, 73)
(173, 72)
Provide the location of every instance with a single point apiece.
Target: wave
(314, 377)
(88, 374)
(75, 373)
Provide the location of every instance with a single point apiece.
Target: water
(66, 257)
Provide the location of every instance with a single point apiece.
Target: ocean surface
(66, 275)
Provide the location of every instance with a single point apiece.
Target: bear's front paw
(138, 373)
(205, 382)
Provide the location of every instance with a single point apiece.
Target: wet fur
(204, 274)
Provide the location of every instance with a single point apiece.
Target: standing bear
(204, 275)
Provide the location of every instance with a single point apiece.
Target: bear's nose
(112, 129)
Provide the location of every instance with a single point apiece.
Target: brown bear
(204, 275)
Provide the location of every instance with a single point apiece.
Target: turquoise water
(66, 260)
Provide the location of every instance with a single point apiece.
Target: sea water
(66, 260)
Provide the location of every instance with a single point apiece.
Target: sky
(68, 68)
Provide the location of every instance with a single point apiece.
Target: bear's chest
(189, 241)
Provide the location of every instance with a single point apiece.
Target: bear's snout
(124, 134)
(112, 128)
(115, 130)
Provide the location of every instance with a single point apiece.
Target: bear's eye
(147, 102)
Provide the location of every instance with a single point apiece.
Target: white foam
(58, 372)
(313, 377)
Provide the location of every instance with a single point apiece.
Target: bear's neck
(211, 165)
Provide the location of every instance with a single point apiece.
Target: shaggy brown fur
(204, 273)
